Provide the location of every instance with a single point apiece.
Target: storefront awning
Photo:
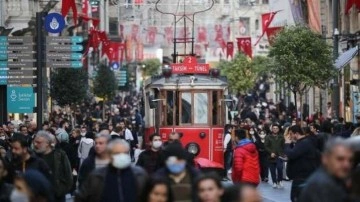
(346, 57)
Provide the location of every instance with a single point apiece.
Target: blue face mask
(176, 168)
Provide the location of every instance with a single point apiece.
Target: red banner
(85, 7)
(115, 51)
(139, 2)
(266, 18)
(244, 45)
(139, 52)
(201, 35)
(198, 50)
(219, 36)
(350, 4)
(272, 32)
(169, 35)
(229, 49)
(151, 35)
(129, 49)
(66, 6)
(135, 32)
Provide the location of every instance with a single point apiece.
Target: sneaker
(266, 180)
(274, 185)
(280, 185)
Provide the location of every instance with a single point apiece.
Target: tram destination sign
(190, 66)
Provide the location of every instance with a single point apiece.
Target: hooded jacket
(84, 147)
(246, 163)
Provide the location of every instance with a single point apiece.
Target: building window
(256, 24)
(265, 1)
(243, 2)
(113, 27)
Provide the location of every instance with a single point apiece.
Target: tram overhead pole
(335, 98)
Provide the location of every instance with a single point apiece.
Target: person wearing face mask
(180, 175)
(85, 145)
(152, 159)
(117, 182)
(58, 162)
(263, 155)
(32, 186)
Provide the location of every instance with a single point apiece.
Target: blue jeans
(276, 170)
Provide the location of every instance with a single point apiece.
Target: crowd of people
(319, 154)
(95, 161)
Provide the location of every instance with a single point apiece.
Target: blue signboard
(20, 99)
(54, 23)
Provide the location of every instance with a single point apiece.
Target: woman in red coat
(246, 168)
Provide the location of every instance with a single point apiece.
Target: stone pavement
(275, 195)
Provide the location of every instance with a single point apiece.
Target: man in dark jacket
(152, 159)
(58, 162)
(117, 182)
(180, 175)
(328, 183)
(246, 168)
(21, 159)
(303, 159)
(274, 145)
(97, 159)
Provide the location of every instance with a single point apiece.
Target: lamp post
(335, 85)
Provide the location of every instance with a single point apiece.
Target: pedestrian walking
(117, 182)
(157, 190)
(153, 158)
(99, 159)
(32, 186)
(85, 145)
(274, 145)
(5, 188)
(303, 158)
(228, 149)
(246, 168)
(179, 173)
(328, 183)
(209, 188)
(58, 162)
(263, 155)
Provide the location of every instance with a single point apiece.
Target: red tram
(189, 99)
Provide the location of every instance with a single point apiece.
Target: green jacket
(275, 144)
(62, 173)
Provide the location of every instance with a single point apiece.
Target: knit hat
(175, 149)
(38, 183)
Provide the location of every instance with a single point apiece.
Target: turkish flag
(138, 2)
(169, 35)
(151, 35)
(266, 19)
(66, 6)
(139, 52)
(272, 32)
(85, 7)
(134, 32)
(229, 49)
(201, 35)
(349, 5)
(244, 45)
(115, 51)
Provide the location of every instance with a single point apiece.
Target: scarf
(119, 186)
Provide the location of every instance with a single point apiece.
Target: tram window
(169, 108)
(185, 108)
(215, 108)
(201, 102)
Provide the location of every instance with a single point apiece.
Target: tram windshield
(192, 108)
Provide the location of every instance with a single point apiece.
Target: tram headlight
(193, 148)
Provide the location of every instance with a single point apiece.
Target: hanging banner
(314, 15)
(85, 7)
(169, 35)
(65, 9)
(139, 52)
(229, 49)
(151, 35)
(244, 45)
(272, 32)
(350, 4)
(201, 34)
(266, 20)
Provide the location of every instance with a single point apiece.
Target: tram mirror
(152, 103)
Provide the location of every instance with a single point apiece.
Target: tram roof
(185, 80)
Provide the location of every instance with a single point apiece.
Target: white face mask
(121, 161)
(252, 132)
(262, 136)
(157, 144)
(83, 134)
(2, 138)
(17, 196)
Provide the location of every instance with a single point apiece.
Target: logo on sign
(13, 96)
(54, 23)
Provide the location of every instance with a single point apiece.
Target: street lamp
(335, 85)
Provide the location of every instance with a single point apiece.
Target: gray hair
(114, 142)
(335, 142)
(46, 135)
(103, 135)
